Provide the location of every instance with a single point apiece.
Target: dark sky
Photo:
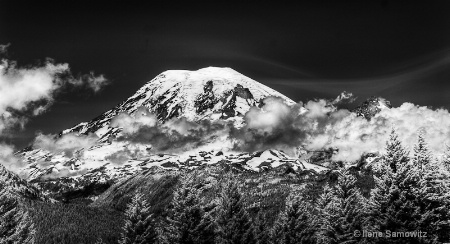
(396, 49)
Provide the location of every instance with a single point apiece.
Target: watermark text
(390, 234)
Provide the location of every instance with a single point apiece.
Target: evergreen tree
(344, 213)
(432, 198)
(321, 223)
(382, 211)
(15, 224)
(395, 152)
(233, 221)
(393, 202)
(293, 224)
(188, 221)
(139, 225)
(446, 159)
(261, 228)
(422, 156)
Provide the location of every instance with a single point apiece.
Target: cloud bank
(174, 136)
(315, 125)
(324, 126)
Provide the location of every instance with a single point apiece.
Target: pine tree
(188, 220)
(320, 221)
(422, 156)
(293, 224)
(261, 227)
(344, 213)
(395, 152)
(432, 198)
(394, 200)
(139, 225)
(380, 199)
(15, 224)
(446, 159)
(383, 205)
(233, 221)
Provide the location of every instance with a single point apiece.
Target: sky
(399, 50)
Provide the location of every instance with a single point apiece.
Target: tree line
(411, 195)
(410, 203)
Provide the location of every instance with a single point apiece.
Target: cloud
(175, 135)
(30, 91)
(315, 125)
(284, 127)
(9, 160)
(4, 48)
(344, 98)
(63, 172)
(354, 136)
(119, 157)
(273, 114)
(91, 81)
(69, 144)
(271, 126)
(277, 125)
(131, 125)
(132, 151)
(21, 87)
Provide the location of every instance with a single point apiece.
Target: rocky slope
(18, 186)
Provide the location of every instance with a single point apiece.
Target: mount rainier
(211, 94)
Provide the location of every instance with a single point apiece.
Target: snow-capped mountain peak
(208, 93)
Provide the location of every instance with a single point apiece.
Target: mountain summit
(209, 93)
(371, 107)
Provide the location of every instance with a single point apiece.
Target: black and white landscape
(179, 125)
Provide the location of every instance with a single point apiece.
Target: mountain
(371, 106)
(17, 185)
(206, 94)
(209, 93)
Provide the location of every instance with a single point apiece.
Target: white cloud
(20, 87)
(344, 98)
(93, 82)
(132, 151)
(130, 124)
(354, 135)
(9, 160)
(323, 125)
(272, 115)
(69, 144)
(176, 135)
(64, 172)
(32, 88)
